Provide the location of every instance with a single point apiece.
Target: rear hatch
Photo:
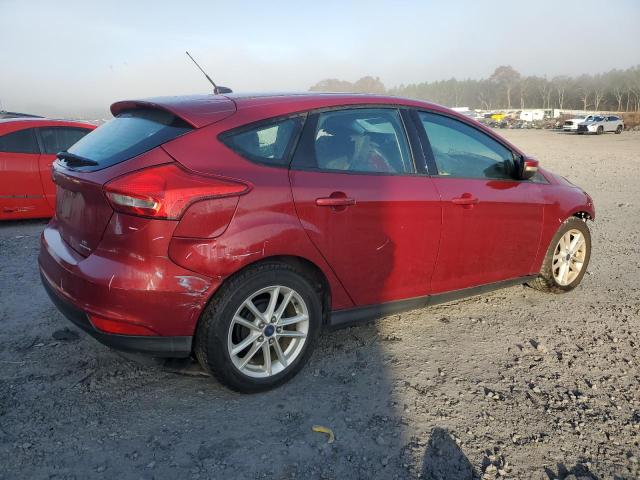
(82, 212)
(126, 143)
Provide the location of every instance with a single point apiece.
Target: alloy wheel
(268, 331)
(568, 257)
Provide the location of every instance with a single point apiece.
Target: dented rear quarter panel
(264, 225)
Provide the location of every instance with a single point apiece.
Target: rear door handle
(466, 200)
(335, 201)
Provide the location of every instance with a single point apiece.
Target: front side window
(266, 143)
(460, 150)
(21, 141)
(59, 139)
(361, 140)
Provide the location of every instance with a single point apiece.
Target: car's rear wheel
(567, 258)
(600, 130)
(260, 328)
(619, 130)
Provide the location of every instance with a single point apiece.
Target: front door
(360, 201)
(491, 222)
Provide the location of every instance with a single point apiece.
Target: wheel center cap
(568, 257)
(269, 330)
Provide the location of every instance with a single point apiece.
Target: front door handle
(466, 200)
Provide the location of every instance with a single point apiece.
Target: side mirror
(528, 168)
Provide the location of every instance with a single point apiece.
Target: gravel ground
(515, 384)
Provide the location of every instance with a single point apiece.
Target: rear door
(55, 139)
(491, 222)
(356, 192)
(21, 194)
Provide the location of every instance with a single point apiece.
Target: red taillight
(165, 191)
(119, 327)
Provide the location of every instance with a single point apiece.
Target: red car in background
(234, 227)
(28, 147)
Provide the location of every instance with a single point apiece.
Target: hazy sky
(76, 57)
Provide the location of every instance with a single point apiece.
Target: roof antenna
(216, 89)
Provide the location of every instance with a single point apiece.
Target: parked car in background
(571, 125)
(28, 147)
(5, 114)
(600, 124)
(233, 228)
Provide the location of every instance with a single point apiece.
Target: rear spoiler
(197, 110)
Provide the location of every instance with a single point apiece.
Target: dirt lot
(514, 384)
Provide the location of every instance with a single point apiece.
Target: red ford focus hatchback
(234, 228)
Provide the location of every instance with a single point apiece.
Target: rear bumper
(130, 280)
(155, 346)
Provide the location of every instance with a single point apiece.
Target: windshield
(129, 134)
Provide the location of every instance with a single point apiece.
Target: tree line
(616, 90)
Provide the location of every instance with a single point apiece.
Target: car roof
(41, 121)
(201, 110)
(5, 114)
(8, 125)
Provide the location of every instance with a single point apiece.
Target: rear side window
(22, 141)
(58, 139)
(267, 143)
(129, 134)
(363, 140)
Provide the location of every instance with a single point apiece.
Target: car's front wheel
(600, 130)
(567, 258)
(260, 328)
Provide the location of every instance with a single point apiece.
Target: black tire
(545, 281)
(210, 345)
(600, 130)
(619, 130)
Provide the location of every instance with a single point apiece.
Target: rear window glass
(22, 141)
(58, 139)
(267, 143)
(127, 135)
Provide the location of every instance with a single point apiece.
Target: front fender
(563, 200)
